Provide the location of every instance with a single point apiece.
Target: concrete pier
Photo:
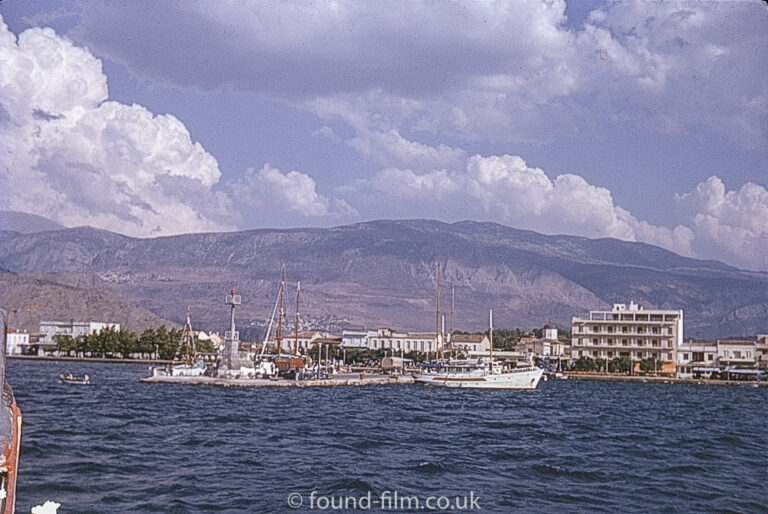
(354, 379)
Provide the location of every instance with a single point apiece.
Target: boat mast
(490, 335)
(298, 293)
(282, 314)
(189, 347)
(438, 357)
(450, 334)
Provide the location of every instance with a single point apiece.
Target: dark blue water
(123, 446)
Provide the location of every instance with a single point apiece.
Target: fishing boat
(71, 379)
(479, 374)
(190, 367)
(10, 433)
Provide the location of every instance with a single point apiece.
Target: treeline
(162, 343)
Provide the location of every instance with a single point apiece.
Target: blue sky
(643, 121)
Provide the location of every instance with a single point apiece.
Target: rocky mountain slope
(383, 273)
(30, 300)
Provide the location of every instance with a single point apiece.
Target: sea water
(119, 445)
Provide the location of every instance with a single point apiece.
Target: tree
(650, 365)
(64, 343)
(619, 365)
(585, 364)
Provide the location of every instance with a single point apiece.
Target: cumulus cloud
(72, 156)
(728, 225)
(293, 192)
(506, 189)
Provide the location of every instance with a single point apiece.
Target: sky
(642, 121)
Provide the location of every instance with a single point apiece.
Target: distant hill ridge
(383, 272)
(24, 223)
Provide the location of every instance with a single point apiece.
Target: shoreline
(110, 360)
(664, 380)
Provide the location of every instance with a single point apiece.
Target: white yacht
(479, 374)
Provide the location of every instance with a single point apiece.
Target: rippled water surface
(123, 446)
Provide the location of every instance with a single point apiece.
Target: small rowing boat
(70, 379)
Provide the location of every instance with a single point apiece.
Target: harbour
(569, 445)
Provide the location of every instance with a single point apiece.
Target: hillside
(383, 273)
(30, 300)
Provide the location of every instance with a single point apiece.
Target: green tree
(64, 344)
(585, 364)
(619, 365)
(650, 365)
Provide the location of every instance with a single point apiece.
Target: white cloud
(731, 226)
(71, 156)
(293, 192)
(728, 225)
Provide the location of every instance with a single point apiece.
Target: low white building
(17, 342)
(736, 353)
(300, 343)
(697, 357)
(469, 343)
(388, 339)
(50, 329)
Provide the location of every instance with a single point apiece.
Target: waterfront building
(761, 351)
(50, 329)
(736, 354)
(389, 339)
(469, 343)
(17, 342)
(696, 357)
(628, 331)
(354, 339)
(306, 340)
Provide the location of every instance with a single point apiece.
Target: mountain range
(383, 273)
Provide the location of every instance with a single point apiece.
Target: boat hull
(521, 380)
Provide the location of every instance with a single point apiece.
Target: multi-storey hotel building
(628, 331)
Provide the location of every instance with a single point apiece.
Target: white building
(302, 343)
(357, 339)
(469, 343)
(628, 331)
(549, 332)
(736, 353)
(388, 339)
(50, 329)
(17, 342)
(696, 357)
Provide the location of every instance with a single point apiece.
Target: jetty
(344, 379)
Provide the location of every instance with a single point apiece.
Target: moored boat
(479, 374)
(10, 434)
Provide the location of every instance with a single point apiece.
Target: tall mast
(490, 335)
(438, 356)
(282, 314)
(189, 347)
(450, 334)
(298, 293)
